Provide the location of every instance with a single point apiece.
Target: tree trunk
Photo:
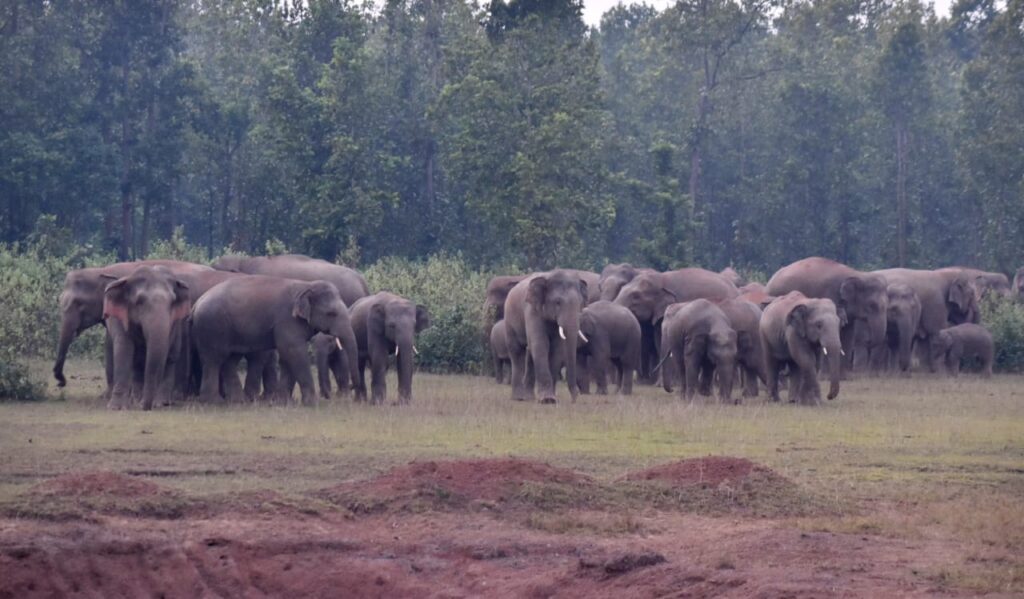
(901, 194)
(127, 201)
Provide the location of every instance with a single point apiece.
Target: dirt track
(457, 529)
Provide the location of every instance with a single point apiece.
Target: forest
(715, 132)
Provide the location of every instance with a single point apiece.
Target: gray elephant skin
(946, 298)
(903, 318)
(612, 345)
(349, 282)
(81, 305)
(966, 341)
(254, 313)
(145, 314)
(498, 289)
(542, 319)
(795, 330)
(499, 353)
(698, 337)
(985, 282)
(386, 324)
(745, 319)
(860, 298)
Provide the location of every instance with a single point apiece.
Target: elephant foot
(548, 401)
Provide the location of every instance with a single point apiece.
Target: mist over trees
(715, 132)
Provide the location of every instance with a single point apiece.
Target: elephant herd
(175, 328)
(698, 328)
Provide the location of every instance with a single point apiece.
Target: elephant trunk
(906, 331)
(157, 336)
(569, 326)
(835, 359)
(404, 365)
(876, 329)
(725, 369)
(68, 332)
(347, 338)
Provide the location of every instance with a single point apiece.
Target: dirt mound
(711, 471)
(455, 482)
(101, 482)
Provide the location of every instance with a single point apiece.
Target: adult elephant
(650, 293)
(860, 298)
(81, 306)
(349, 282)
(386, 323)
(985, 282)
(246, 315)
(902, 320)
(700, 340)
(729, 274)
(498, 289)
(592, 279)
(612, 344)
(145, 313)
(542, 320)
(615, 276)
(745, 319)
(946, 298)
(795, 330)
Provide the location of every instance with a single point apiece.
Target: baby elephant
(386, 324)
(499, 353)
(965, 341)
(699, 337)
(795, 330)
(613, 344)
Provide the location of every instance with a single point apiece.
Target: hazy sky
(593, 9)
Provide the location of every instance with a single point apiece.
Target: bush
(177, 248)
(1004, 317)
(454, 295)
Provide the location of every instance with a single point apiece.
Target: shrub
(454, 295)
(177, 248)
(1004, 317)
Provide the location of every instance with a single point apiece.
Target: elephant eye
(332, 314)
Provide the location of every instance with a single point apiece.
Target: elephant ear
(849, 289)
(422, 318)
(960, 293)
(536, 291)
(665, 299)
(302, 308)
(584, 292)
(375, 321)
(115, 301)
(844, 318)
(744, 340)
(797, 318)
(182, 301)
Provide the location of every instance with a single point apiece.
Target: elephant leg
(339, 367)
(626, 373)
(138, 372)
(749, 380)
(771, 372)
(360, 385)
(323, 370)
(286, 381)
(254, 366)
(271, 374)
(599, 366)
(123, 365)
(296, 359)
(582, 374)
(688, 366)
(229, 378)
(519, 374)
(707, 377)
(108, 365)
(499, 373)
(544, 357)
(378, 382)
(209, 388)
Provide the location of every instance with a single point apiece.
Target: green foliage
(453, 294)
(178, 248)
(1004, 318)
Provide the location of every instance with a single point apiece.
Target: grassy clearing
(921, 457)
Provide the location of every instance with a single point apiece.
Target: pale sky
(593, 9)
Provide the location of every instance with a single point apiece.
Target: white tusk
(824, 350)
(561, 333)
(842, 353)
(584, 337)
(396, 351)
(415, 351)
(338, 343)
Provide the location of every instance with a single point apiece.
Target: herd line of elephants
(177, 328)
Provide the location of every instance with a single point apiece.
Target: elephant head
(320, 306)
(81, 307)
(814, 327)
(722, 347)
(864, 298)
(149, 303)
(729, 274)
(613, 278)
(942, 346)
(962, 300)
(558, 298)
(398, 321)
(646, 298)
(498, 289)
(230, 263)
(902, 318)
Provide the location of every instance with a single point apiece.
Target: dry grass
(921, 457)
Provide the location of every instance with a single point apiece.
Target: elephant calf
(702, 342)
(794, 331)
(612, 342)
(385, 323)
(965, 342)
(499, 353)
(745, 319)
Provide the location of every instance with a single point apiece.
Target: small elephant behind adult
(499, 353)
(254, 313)
(697, 335)
(497, 290)
(145, 314)
(612, 345)
(966, 341)
(795, 330)
(330, 360)
(385, 324)
(745, 319)
(903, 318)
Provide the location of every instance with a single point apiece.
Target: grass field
(908, 458)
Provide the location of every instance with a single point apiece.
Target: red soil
(102, 482)
(711, 471)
